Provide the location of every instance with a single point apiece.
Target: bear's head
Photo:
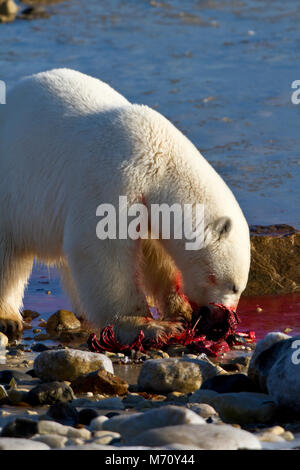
(218, 272)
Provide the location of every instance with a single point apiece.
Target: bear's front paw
(11, 328)
(163, 330)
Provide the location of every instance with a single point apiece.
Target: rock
(230, 384)
(68, 364)
(64, 413)
(164, 416)
(202, 409)
(50, 393)
(264, 357)
(239, 364)
(40, 347)
(173, 400)
(97, 423)
(283, 378)
(170, 375)
(62, 320)
(105, 437)
(278, 430)
(51, 427)
(20, 427)
(3, 340)
(3, 393)
(112, 414)
(17, 396)
(12, 443)
(29, 315)
(245, 407)
(269, 437)
(75, 441)
(15, 352)
(157, 354)
(114, 403)
(100, 381)
(288, 436)
(52, 440)
(241, 408)
(202, 436)
(79, 433)
(275, 259)
(135, 401)
(84, 403)
(275, 368)
(8, 374)
(177, 350)
(203, 396)
(86, 416)
(32, 13)
(8, 11)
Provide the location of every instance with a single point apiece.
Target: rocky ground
(55, 394)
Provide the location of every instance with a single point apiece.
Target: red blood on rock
(199, 335)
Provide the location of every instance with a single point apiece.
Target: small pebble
(86, 416)
(52, 440)
(3, 340)
(269, 437)
(288, 436)
(105, 437)
(96, 423)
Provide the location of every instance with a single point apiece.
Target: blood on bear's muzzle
(216, 322)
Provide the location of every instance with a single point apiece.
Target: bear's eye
(234, 289)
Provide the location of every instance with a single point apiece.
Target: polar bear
(69, 142)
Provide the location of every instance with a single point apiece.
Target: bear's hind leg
(69, 286)
(15, 269)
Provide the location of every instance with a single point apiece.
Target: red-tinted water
(278, 313)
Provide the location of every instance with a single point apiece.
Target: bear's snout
(216, 321)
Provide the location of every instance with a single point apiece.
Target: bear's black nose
(204, 312)
(213, 328)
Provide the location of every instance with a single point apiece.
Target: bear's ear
(218, 229)
(223, 226)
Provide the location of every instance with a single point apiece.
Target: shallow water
(278, 312)
(219, 70)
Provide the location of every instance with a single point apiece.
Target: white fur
(69, 142)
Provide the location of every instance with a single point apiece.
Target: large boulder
(49, 394)
(240, 408)
(175, 375)
(131, 426)
(275, 367)
(264, 356)
(275, 260)
(101, 382)
(62, 320)
(68, 364)
(201, 436)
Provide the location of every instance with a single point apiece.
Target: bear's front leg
(106, 277)
(15, 268)
(163, 282)
(176, 305)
